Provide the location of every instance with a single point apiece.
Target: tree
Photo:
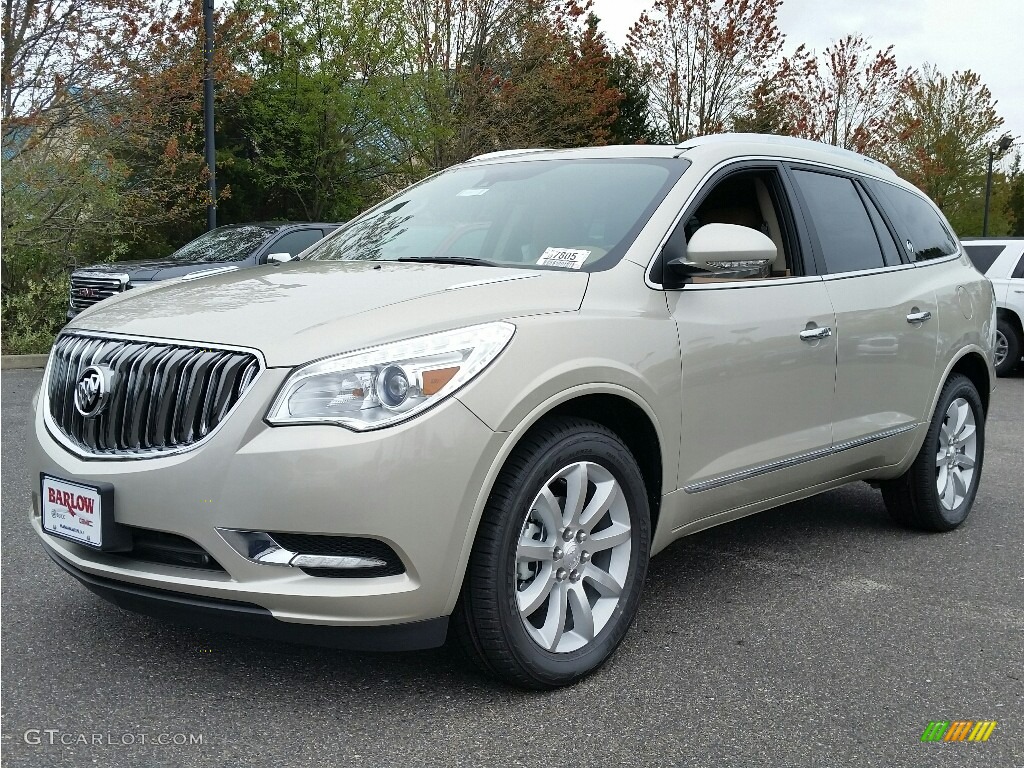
(1014, 207)
(704, 58)
(849, 97)
(99, 134)
(766, 109)
(632, 124)
(329, 121)
(945, 126)
(555, 89)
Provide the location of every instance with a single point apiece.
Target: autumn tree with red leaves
(848, 97)
(702, 58)
(556, 91)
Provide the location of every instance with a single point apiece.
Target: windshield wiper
(469, 261)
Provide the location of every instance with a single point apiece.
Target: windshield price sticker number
(566, 258)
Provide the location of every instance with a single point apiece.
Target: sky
(981, 35)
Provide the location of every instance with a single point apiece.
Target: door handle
(814, 334)
(914, 318)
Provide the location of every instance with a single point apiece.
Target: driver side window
(753, 199)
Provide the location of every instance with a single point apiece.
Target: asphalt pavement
(817, 634)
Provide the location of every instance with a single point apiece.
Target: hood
(157, 269)
(304, 310)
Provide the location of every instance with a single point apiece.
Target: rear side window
(845, 232)
(927, 236)
(984, 256)
(1019, 271)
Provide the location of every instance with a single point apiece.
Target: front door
(758, 357)
(757, 390)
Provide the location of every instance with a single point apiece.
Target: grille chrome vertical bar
(166, 396)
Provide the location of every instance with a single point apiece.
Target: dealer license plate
(72, 511)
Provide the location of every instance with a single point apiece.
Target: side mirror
(279, 258)
(723, 251)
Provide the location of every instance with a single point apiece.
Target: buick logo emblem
(93, 390)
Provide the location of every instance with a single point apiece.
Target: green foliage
(947, 125)
(33, 314)
(1013, 206)
(633, 123)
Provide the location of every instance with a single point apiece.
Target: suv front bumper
(416, 487)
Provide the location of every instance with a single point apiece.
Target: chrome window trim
(54, 431)
(871, 271)
(761, 281)
(749, 282)
(792, 461)
(941, 260)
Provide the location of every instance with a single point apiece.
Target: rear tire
(937, 492)
(554, 579)
(1008, 347)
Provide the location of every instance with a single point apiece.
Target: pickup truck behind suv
(485, 403)
(1001, 260)
(233, 246)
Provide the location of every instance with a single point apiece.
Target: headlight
(380, 386)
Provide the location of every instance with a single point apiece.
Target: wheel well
(633, 427)
(1012, 318)
(972, 365)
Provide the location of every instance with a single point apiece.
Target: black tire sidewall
(603, 449)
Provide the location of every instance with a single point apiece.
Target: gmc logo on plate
(86, 293)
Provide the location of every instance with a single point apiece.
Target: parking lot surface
(816, 634)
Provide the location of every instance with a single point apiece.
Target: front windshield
(232, 243)
(566, 214)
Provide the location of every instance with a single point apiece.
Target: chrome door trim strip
(792, 461)
(872, 438)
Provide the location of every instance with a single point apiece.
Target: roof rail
(507, 153)
(786, 141)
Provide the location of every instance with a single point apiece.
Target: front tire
(937, 492)
(1008, 348)
(554, 579)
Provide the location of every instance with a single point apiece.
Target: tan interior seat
(764, 199)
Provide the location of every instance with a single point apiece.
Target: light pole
(210, 151)
(1000, 146)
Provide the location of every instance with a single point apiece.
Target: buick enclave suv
(480, 407)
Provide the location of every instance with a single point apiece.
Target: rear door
(886, 320)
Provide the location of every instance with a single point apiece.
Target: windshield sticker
(566, 258)
(472, 192)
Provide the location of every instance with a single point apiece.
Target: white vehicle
(1001, 260)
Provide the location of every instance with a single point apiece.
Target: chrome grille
(89, 287)
(164, 396)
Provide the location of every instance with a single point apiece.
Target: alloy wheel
(1002, 348)
(573, 557)
(957, 454)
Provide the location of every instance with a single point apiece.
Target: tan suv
(487, 401)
